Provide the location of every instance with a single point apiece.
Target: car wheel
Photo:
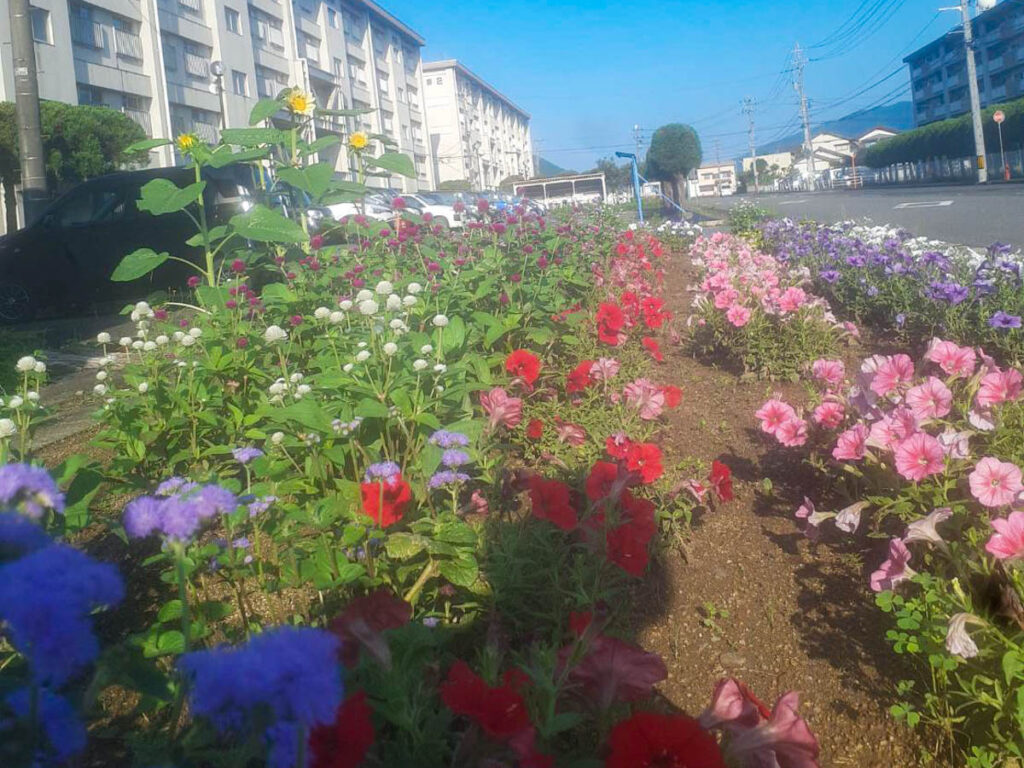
(440, 221)
(15, 303)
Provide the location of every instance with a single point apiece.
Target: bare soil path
(753, 597)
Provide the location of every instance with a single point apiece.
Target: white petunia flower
(368, 307)
(103, 338)
(384, 288)
(346, 304)
(390, 348)
(143, 388)
(274, 333)
(40, 367)
(336, 317)
(420, 365)
(363, 356)
(414, 288)
(7, 428)
(440, 321)
(321, 313)
(394, 302)
(26, 364)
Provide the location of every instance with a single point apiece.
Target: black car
(63, 261)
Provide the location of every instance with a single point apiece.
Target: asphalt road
(976, 216)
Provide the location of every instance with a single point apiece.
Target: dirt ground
(752, 597)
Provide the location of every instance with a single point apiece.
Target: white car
(374, 207)
(440, 206)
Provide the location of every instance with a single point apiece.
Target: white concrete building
(715, 180)
(477, 134)
(151, 60)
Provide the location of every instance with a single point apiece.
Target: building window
(429, 81)
(232, 20)
(332, 18)
(339, 69)
(170, 57)
(439, 81)
(89, 96)
(239, 83)
(41, 25)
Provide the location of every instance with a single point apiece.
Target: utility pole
(638, 140)
(972, 85)
(26, 98)
(718, 162)
(798, 83)
(749, 106)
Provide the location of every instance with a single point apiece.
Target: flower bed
(385, 509)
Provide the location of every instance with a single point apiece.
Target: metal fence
(953, 169)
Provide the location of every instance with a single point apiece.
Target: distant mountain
(899, 116)
(547, 168)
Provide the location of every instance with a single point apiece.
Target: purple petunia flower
(246, 454)
(829, 275)
(384, 470)
(30, 488)
(1004, 320)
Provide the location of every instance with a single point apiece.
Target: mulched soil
(793, 615)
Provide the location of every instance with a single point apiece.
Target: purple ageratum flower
(1004, 321)
(19, 535)
(212, 500)
(901, 320)
(177, 517)
(384, 470)
(246, 454)
(259, 506)
(31, 489)
(63, 729)
(445, 478)
(445, 439)
(289, 672)
(46, 602)
(142, 516)
(453, 458)
(173, 486)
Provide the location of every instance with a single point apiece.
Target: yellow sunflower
(300, 102)
(358, 140)
(186, 142)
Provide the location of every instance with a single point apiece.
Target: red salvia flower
(551, 500)
(645, 459)
(721, 480)
(500, 711)
(651, 345)
(649, 740)
(524, 365)
(345, 742)
(535, 429)
(385, 501)
(579, 378)
(610, 321)
(673, 395)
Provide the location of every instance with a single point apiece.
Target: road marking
(791, 202)
(925, 204)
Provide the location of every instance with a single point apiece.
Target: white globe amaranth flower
(278, 387)
(390, 348)
(7, 428)
(161, 340)
(346, 304)
(274, 333)
(414, 288)
(363, 356)
(139, 344)
(321, 313)
(143, 388)
(178, 335)
(188, 341)
(102, 337)
(277, 438)
(195, 333)
(440, 321)
(409, 302)
(439, 389)
(101, 375)
(100, 389)
(347, 367)
(384, 288)
(361, 345)
(440, 368)
(149, 346)
(15, 402)
(296, 377)
(40, 367)
(394, 302)
(125, 341)
(398, 325)
(364, 295)
(32, 397)
(25, 364)
(303, 389)
(143, 308)
(368, 307)
(336, 317)
(426, 349)
(420, 365)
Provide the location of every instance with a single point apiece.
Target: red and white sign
(999, 116)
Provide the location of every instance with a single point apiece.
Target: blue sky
(588, 71)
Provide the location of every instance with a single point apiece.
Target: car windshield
(431, 198)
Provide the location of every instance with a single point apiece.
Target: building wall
(782, 159)
(713, 180)
(938, 71)
(477, 134)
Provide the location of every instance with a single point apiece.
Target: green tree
(79, 142)
(455, 185)
(675, 151)
(507, 183)
(617, 178)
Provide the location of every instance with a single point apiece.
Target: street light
(217, 70)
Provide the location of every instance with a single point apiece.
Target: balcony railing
(86, 32)
(140, 118)
(129, 45)
(197, 66)
(194, 7)
(205, 131)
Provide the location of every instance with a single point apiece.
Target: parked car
(64, 260)
(375, 206)
(440, 207)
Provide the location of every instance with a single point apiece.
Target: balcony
(86, 32)
(197, 66)
(330, 123)
(195, 7)
(140, 118)
(205, 131)
(129, 45)
(996, 62)
(997, 92)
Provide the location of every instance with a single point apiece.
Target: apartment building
(938, 71)
(477, 134)
(714, 180)
(153, 60)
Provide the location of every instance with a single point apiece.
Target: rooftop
(434, 66)
(379, 12)
(995, 12)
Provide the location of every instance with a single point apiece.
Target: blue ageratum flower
(246, 454)
(445, 478)
(1004, 321)
(46, 602)
(384, 470)
(445, 439)
(19, 535)
(29, 489)
(288, 673)
(453, 458)
(178, 516)
(63, 729)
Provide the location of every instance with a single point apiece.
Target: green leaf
(349, 572)
(277, 293)
(265, 108)
(1012, 665)
(313, 179)
(307, 413)
(146, 145)
(138, 263)
(454, 334)
(403, 546)
(395, 162)
(170, 611)
(169, 643)
(369, 409)
(222, 158)
(161, 196)
(461, 572)
(345, 112)
(340, 185)
(323, 143)
(253, 137)
(265, 225)
(212, 297)
(456, 532)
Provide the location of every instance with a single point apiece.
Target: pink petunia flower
(831, 372)
(572, 434)
(792, 299)
(726, 298)
(501, 409)
(919, 456)
(999, 387)
(792, 433)
(829, 414)
(604, 369)
(995, 483)
(805, 510)
(783, 740)
(738, 315)
(954, 360)
(646, 397)
(884, 435)
(892, 372)
(955, 444)
(924, 529)
(774, 414)
(931, 400)
(848, 519)
(851, 444)
(894, 570)
(1007, 543)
